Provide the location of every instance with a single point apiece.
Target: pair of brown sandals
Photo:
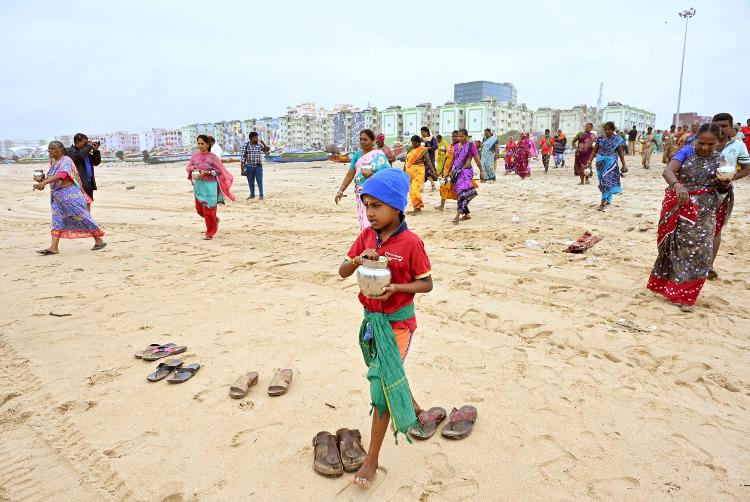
(334, 455)
(460, 423)
(279, 383)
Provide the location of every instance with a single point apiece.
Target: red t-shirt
(746, 131)
(408, 262)
(546, 145)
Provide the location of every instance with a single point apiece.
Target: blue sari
(488, 158)
(606, 166)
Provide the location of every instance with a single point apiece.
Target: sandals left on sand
(241, 386)
(461, 422)
(163, 369)
(353, 455)
(280, 383)
(428, 421)
(327, 459)
(185, 373)
(150, 349)
(164, 351)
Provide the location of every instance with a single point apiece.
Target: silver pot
(39, 175)
(373, 276)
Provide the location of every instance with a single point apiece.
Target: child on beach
(389, 324)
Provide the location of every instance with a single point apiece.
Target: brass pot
(39, 175)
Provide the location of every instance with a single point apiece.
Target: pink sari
(207, 161)
(378, 160)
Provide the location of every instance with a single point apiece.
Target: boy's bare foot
(366, 474)
(455, 220)
(466, 217)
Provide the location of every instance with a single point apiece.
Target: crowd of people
(696, 207)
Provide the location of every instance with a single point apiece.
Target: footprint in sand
(128, 446)
(250, 436)
(558, 468)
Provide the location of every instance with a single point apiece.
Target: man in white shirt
(215, 147)
(735, 154)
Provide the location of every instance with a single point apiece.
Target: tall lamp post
(687, 14)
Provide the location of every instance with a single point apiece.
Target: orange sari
(416, 174)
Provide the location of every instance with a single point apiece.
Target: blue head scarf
(390, 186)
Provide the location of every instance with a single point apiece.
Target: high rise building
(474, 92)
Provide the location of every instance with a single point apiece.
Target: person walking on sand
(647, 147)
(607, 149)
(365, 162)
(583, 144)
(523, 155)
(690, 137)
(211, 184)
(659, 141)
(462, 175)
(447, 191)
(561, 142)
(215, 147)
(431, 144)
(489, 154)
(670, 144)
(442, 151)
(85, 154)
(546, 145)
(70, 217)
(380, 145)
(632, 136)
(417, 163)
(387, 331)
(695, 208)
(251, 163)
(735, 153)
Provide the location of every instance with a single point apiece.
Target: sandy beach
(589, 386)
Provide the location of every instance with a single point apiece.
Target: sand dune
(573, 404)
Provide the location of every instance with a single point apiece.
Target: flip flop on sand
(184, 373)
(46, 252)
(461, 422)
(327, 459)
(353, 455)
(163, 369)
(165, 351)
(150, 349)
(428, 421)
(97, 247)
(280, 383)
(241, 387)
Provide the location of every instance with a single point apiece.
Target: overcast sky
(97, 67)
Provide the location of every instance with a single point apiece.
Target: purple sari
(70, 218)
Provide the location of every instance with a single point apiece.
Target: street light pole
(687, 14)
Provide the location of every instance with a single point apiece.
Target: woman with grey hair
(70, 219)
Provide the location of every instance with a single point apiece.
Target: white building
(392, 124)
(422, 115)
(546, 118)
(626, 116)
(189, 135)
(574, 120)
(487, 114)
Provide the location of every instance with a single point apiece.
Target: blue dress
(607, 169)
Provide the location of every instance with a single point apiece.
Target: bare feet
(712, 275)
(581, 183)
(603, 208)
(439, 208)
(466, 217)
(455, 220)
(366, 473)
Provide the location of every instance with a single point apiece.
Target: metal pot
(588, 172)
(726, 172)
(39, 175)
(373, 276)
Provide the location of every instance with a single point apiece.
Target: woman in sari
(583, 144)
(510, 149)
(462, 174)
(380, 144)
(695, 208)
(70, 218)
(489, 154)
(370, 158)
(417, 163)
(211, 184)
(606, 150)
(521, 156)
(447, 191)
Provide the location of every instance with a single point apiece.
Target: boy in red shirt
(389, 320)
(545, 145)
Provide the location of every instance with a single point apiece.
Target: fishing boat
(33, 160)
(167, 159)
(343, 158)
(290, 155)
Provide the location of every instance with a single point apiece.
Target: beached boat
(167, 159)
(288, 155)
(33, 160)
(344, 158)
